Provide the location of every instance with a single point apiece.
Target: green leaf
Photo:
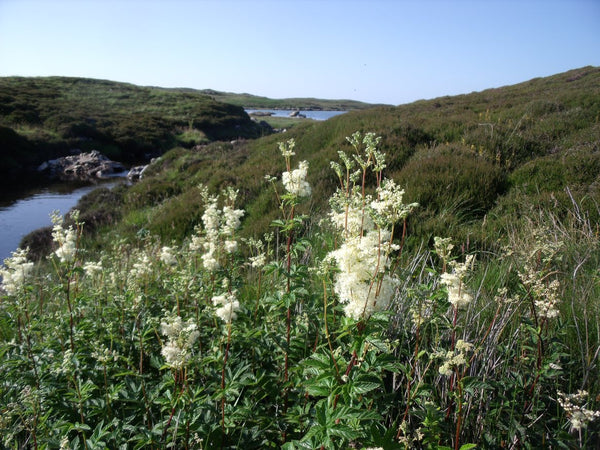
(362, 387)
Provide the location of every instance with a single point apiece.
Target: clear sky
(377, 51)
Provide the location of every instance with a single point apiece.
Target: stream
(27, 210)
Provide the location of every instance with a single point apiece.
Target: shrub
(453, 186)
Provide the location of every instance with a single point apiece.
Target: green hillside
(253, 101)
(41, 118)
(474, 162)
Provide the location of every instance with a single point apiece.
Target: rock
(81, 166)
(297, 114)
(136, 173)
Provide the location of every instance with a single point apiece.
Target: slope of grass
(54, 115)
(474, 162)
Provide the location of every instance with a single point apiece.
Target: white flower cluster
(66, 239)
(104, 355)
(258, 261)
(15, 271)
(362, 282)
(454, 358)
(443, 247)
(352, 220)
(421, 312)
(229, 306)
(142, 266)
(578, 414)
(295, 181)
(219, 229)
(545, 295)
(388, 207)
(287, 148)
(91, 269)
(180, 338)
(167, 256)
(458, 294)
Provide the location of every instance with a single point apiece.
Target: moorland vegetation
(421, 276)
(46, 117)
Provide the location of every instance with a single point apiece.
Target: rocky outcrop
(82, 166)
(297, 114)
(136, 173)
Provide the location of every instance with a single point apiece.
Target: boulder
(82, 166)
(136, 173)
(297, 114)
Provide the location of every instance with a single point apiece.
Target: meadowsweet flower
(229, 306)
(443, 247)
(388, 207)
(167, 256)
(230, 246)
(458, 294)
(258, 261)
(141, 267)
(231, 216)
(361, 282)
(181, 336)
(545, 294)
(454, 358)
(66, 239)
(421, 312)
(15, 271)
(352, 221)
(104, 355)
(295, 181)
(578, 414)
(219, 229)
(210, 218)
(287, 148)
(91, 269)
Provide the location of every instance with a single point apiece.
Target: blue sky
(377, 51)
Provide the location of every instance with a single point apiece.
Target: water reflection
(29, 209)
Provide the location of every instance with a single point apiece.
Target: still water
(310, 114)
(30, 210)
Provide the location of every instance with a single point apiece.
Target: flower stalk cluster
(545, 294)
(219, 229)
(364, 282)
(66, 239)
(577, 412)
(15, 271)
(229, 306)
(181, 336)
(458, 294)
(453, 359)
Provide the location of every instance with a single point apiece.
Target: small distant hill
(256, 102)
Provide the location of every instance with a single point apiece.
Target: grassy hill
(41, 118)
(250, 101)
(474, 162)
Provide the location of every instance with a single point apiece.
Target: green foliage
(211, 341)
